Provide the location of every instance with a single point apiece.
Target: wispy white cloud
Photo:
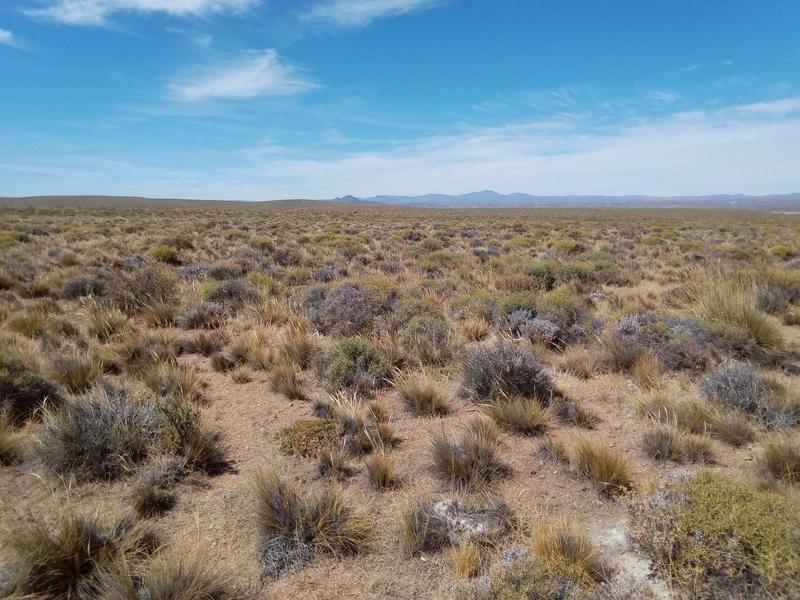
(360, 13)
(662, 97)
(7, 38)
(261, 73)
(97, 12)
(741, 149)
(700, 65)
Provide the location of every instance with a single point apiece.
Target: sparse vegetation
(380, 358)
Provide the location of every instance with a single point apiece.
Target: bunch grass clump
(473, 459)
(178, 381)
(74, 370)
(518, 414)
(66, 554)
(422, 393)
(779, 460)
(564, 542)
(289, 523)
(592, 460)
(287, 380)
(665, 442)
(731, 298)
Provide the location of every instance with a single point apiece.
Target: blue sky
(264, 99)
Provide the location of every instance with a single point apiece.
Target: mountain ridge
(482, 199)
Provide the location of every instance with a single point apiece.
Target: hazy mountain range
(489, 199)
(483, 199)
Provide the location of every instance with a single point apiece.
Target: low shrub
(355, 364)
(134, 291)
(505, 369)
(428, 526)
(715, 536)
(738, 385)
(307, 437)
(102, 435)
(346, 310)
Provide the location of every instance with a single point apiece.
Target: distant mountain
(491, 199)
(789, 203)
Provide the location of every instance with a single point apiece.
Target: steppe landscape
(337, 400)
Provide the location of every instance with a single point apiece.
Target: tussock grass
(590, 459)
(607, 469)
(24, 393)
(11, 442)
(333, 461)
(178, 381)
(63, 555)
(186, 434)
(74, 370)
(241, 374)
(564, 541)
(381, 470)
(690, 413)
(520, 415)
(286, 379)
(471, 460)
(469, 559)
(325, 522)
(361, 425)
(104, 323)
(665, 442)
(731, 298)
(779, 460)
(475, 329)
(422, 392)
(149, 499)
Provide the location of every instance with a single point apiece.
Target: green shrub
(165, 254)
(354, 363)
(209, 289)
(718, 537)
(567, 246)
(516, 301)
(307, 437)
